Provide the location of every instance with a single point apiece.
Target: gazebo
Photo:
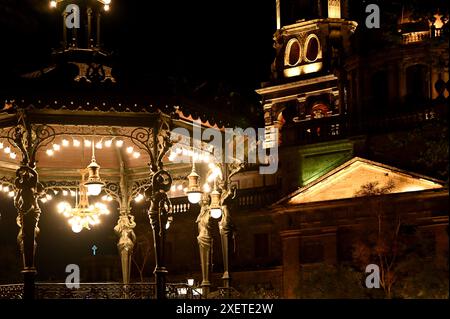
(87, 149)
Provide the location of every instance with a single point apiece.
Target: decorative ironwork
(102, 291)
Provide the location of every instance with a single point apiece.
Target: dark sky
(227, 40)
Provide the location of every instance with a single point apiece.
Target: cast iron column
(160, 214)
(204, 243)
(28, 190)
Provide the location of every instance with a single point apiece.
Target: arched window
(292, 54)
(416, 85)
(312, 48)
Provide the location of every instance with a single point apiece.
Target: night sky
(204, 40)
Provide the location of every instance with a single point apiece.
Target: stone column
(290, 243)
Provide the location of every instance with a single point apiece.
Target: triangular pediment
(348, 179)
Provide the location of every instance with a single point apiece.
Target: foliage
(400, 250)
(324, 281)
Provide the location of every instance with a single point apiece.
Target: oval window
(312, 49)
(292, 55)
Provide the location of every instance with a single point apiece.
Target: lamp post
(214, 205)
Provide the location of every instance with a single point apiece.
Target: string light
(76, 143)
(65, 193)
(136, 154)
(65, 143)
(56, 147)
(119, 143)
(99, 145)
(1, 145)
(7, 150)
(13, 155)
(50, 152)
(139, 198)
(130, 149)
(108, 143)
(87, 143)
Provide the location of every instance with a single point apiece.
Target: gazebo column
(125, 226)
(204, 240)
(28, 190)
(26, 202)
(127, 238)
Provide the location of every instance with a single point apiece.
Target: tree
(379, 242)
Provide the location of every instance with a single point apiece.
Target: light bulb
(106, 7)
(56, 147)
(216, 213)
(50, 152)
(194, 197)
(49, 197)
(173, 188)
(94, 189)
(136, 154)
(1, 145)
(65, 193)
(108, 143)
(119, 143)
(13, 155)
(72, 193)
(130, 149)
(6, 189)
(76, 228)
(87, 143)
(99, 145)
(11, 194)
(53, 4)
(7, 150)
(180, 187)
(65, 143)
(76, 143)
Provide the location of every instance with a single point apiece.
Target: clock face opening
(292, 53)
(312, 49)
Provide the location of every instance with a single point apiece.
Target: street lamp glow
(194, 197)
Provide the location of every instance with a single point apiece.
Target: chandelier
(82, 215)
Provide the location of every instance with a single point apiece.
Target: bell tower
(305, 98)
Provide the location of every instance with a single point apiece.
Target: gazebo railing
(101, 291)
